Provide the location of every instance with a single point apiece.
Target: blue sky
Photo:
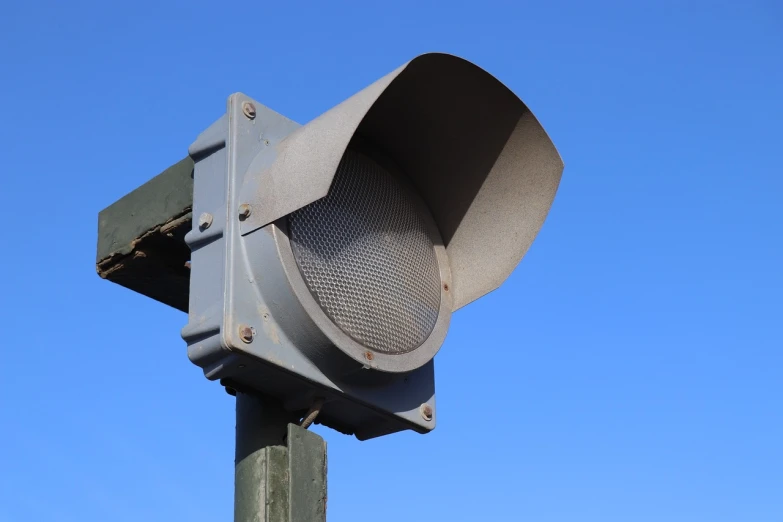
(629, 370)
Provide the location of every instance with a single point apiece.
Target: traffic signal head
(327, 259)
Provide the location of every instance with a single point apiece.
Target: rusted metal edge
(164, 198)
(171, 228)
(141, 237)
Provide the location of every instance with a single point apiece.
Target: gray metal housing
(244, 280)
(482, 165)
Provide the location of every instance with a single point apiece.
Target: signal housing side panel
(203, 332)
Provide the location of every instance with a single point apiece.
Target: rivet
(249, 110)
(204, 221)
(246, 333)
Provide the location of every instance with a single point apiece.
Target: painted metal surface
(280, 468)
(157, 202)
(240, 282)
(481, 161)
(307, 468)
(141, 237)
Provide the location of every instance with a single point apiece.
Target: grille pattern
(365, 255)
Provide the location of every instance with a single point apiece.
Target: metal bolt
(249, 110)
(245, 333)
(426, 412)
(204, 221)
(244, 211)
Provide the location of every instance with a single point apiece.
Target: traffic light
(327, 259)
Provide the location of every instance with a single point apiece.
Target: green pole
(280, 468)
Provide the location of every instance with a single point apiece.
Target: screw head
(244, 211)
(246, 333)
(249, 110)
(426, 412)
(205, 221)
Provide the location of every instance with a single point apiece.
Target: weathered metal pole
(280, 468)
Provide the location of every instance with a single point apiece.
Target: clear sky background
(629, 370)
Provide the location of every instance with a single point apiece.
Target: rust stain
(106, 272)
(114, 261)
(271, 332)
(270, 328)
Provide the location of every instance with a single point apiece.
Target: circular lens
(366, 256)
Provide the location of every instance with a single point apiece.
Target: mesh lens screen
(365, 254)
